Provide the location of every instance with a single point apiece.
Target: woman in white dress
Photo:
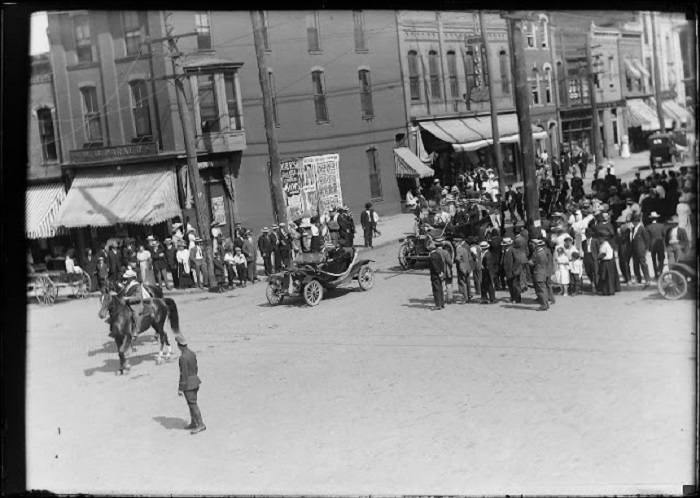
(684, 213)
(145, 263)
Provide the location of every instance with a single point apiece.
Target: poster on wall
(311, 183)
(328, 182)
(218, 210)
(291, 172)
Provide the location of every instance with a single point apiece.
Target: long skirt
(608, 278)
(184, 277)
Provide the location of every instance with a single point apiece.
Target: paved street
(371, 392)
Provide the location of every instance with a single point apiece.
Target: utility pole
(279, 206)
(594, 99)
(494, 110)
(522, 108)
(200, 209)
(657, 75)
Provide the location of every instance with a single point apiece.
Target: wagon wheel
(365, 278)
(273, 297)
(404, 260)
(45, 291)
(672, 285)
(313, 293)
(81, 287)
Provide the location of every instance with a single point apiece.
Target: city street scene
(362, 253)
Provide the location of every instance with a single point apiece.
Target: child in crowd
(219, 271)
(230, 266)
(576, 274)
(241, 266)
(561, 275)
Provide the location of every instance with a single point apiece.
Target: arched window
(434, 68)
(547, 85)
(530, 32)
(319, 84)
(47, 134)
(414, 75)
(503, 66)
(365, 93)
(535, 85)
(140, 109)
(452, 72)
(544, 41)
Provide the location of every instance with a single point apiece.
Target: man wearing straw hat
(198, 264)
(437, 275)
(657, 243)
(188, 385)
(540, 272)
(639, 236)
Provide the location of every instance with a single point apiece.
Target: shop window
(91, 115)
(273, 91)
(375, 175)
(503, 67)
(202, 26)
(131, 20)
(366, 94)
(319, 85)
(313, 32)
(234, 113)
(140, 109)
(413, 75)
(452, 72)
(434, 68)
(83, 43)
(47, 134)
(359, 29)
(266, 31)
(208, 104)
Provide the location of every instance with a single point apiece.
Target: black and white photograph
(360, 252)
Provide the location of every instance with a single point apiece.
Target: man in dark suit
(640, 245)
(449, 274)
(437, 275)
(511, 203)
(251, 256)
(540, 271)
(657, 243)
(285, 246)
(114, 264)
(189, 384)
(347, 228)
(274, 249)
(265, 248)
(676, 241)
(624, 247)
(463, 259)
(512, 262)
(368, 224)
(171, 261)
(519, 202)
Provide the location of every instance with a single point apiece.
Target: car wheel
(672, 285)
(404, 257)
(365, 278)
(273, 297)
(313, 293)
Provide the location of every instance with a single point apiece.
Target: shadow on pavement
(298, 301)
(171, 423)
(112, 365)
(420, 303)
(519, 307)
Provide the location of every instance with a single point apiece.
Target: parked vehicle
(675, 282)
(47, 279)
(314, 274)
(663, 150)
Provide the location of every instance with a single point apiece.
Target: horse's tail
(173, 315)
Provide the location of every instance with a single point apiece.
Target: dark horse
(121, 323)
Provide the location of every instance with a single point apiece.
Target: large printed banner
(311, 184)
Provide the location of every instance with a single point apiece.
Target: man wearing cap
(135, 293)
(265, 248)
(171, 261)
(657, 243)
(347, 228)
(188, 385)
(198, 264)
(639, 236)
(437, 275)
(676, 241)
(540, 272)
(368, 224)
(158, 261)
(512, 262)
(463, 259)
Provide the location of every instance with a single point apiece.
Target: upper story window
(141, 109)
(547, 85)
(319, 85)
(366, 93)
(210, 117)
(452, 72)
(83, 44)
(434, 68)
(91, 115)
(647, 64)
(313, 32)
(131, 20)
(231, 90)
(47, 134)
(503, 69)
(217, 101)
(535, 86)
(530, 34)
(544, 41)
(413, 75)
(611, 70)
(645, 29)
(359, 27)
(375, 174)
(273, 91)
(266, 30)
(202, 26)
(469, 71)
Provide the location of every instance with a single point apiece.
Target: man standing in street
(676, 241)
(158, 260)
(189, 384)
(657, 243)
(368, 224)
(540, 270)
(251, 256)
(449, 275)
(197, 263)
(512, 267)
(464, 268)
(437, 274)
(624, 247)
(347, 228)
(640, 245)
(274, 249)
(475, 253)
(265, 247)
(285, 246)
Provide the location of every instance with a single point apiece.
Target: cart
(47, 279)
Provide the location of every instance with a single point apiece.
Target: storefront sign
(113, 153)
(606, 105)
(218, 209)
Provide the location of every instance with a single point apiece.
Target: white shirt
(673, 236)
(183, 256)
(606, 248)
(239, 259)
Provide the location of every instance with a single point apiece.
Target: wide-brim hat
(191, 230)
(621, 219)
(458, 239)
(150, 237)
(176, 225)
(654, 214)
(168, 240)
(283, 224)
(483, 244)
(214, 223)
(436, 181)
(537, 242)
(265, 229)
(506, 241)
(238, 249)
(181, 340)
(129, 274)
(198, 239)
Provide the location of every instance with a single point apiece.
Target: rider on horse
(134, 293)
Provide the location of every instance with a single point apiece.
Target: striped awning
(143, 196)
(641, 115)
(640, 67)
(680, 114)
(42, 203)
(408, 165)
(468, 134)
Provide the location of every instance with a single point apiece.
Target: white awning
(42, 204)
(632, 71)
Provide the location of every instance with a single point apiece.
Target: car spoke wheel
(313, 293)
(273, 297)
(672, 285)
(405, 260)
(366, 278)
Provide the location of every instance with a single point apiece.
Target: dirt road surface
(371, 392)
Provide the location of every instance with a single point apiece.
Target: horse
(121, 323)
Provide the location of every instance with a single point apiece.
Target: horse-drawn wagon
(46, 280)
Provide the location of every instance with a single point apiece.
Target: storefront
(42, 205)
(576, 130)
(642, 121)
(409, 169)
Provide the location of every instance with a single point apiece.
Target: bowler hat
(483, 244)
(180, 339)
(368, 205)
(129, 274)
(673, 219)
(654, 214)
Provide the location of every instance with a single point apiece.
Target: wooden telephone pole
(657, 75)
(595, 125)
(522, 108)
(279, 206)
(188, 129)
(494, 110)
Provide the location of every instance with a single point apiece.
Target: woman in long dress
(145, 263)
(90, 267)
(183, 265)
(561, 274)
(608, 277)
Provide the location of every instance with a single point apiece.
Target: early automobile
(314, 273)
(675, 282)
(663, 150)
